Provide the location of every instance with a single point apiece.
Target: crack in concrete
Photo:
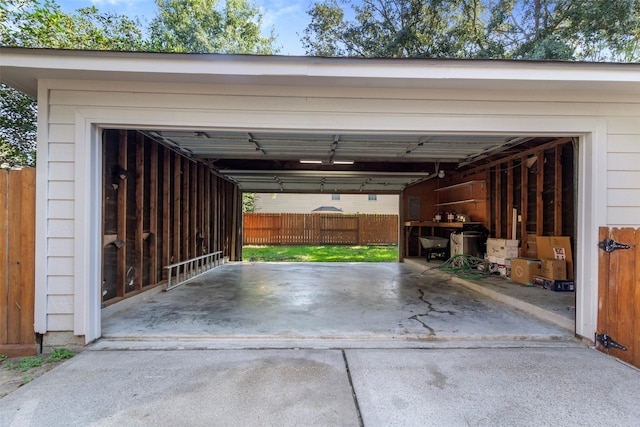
(430, 309)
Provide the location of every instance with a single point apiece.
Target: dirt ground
(12, 379)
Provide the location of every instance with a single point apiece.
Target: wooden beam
(498, 201)
(524, 201)
(207, 210)
(176, 255)
(557, 206)
(200, 243)
(215, 218)
(184, 205)
(510, 199)
(139, 219)
(522, 154)
(121, 264)
(539, 190)
(166, 209)
(193, 209)
(153, 213)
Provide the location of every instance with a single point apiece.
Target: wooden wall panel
(168, 209)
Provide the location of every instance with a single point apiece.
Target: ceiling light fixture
(343, 162)
(311, 162)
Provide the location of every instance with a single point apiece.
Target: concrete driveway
(558, 384)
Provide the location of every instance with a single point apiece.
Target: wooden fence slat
(635, 345)
(319, 229)
(15, 290)
(4, 275)
(17, 263)
(27, 257)
(625, 300)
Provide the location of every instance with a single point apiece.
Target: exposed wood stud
(539, 189)
(200, 241)
(193, 209)
(236, 212)
(207, 210)
(176, 255)
(184, 204)
(557, 207)
(498, 201)
(522, 154)
(524, 202)
(510, 199)
(166, 210)
(153, 213)
(139, 209)
(122, 215)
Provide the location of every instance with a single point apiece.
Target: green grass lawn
(338, 253)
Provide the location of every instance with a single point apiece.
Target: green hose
(466, 267)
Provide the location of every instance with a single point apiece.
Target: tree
(248, 202)
(203, 26)
(592, 30)
(29, 23)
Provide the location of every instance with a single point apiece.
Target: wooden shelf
(462, 184)
(458, 202)
(468, 184)
(443, 224)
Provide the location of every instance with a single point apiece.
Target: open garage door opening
(175, 197)
(320, 227)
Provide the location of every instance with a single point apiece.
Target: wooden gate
(17, 262)
(619, 294)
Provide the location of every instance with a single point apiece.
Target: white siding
(60, 204)
(610, 123)
(305, 203)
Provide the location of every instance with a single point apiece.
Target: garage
(218, 125)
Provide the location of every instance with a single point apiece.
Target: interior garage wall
(159, 208)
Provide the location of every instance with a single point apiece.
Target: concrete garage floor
(289, 302)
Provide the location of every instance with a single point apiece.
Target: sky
(287, 17)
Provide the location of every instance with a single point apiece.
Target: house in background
(386, 204)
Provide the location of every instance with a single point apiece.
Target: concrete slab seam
(353, 390)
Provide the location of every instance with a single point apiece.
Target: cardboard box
(554, 285)
(523, 270)
(556, 247)
(502, 248)
(555, 269)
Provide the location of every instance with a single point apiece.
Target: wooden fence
(17, 262)
(619, 293)
(319, 229)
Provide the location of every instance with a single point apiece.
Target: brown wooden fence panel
(619, 294)
(319, 229)
(17, 262)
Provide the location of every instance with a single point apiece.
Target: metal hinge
(607, 342)
(610, 245)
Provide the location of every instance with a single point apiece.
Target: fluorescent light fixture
(343, 162)
(312, 162)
